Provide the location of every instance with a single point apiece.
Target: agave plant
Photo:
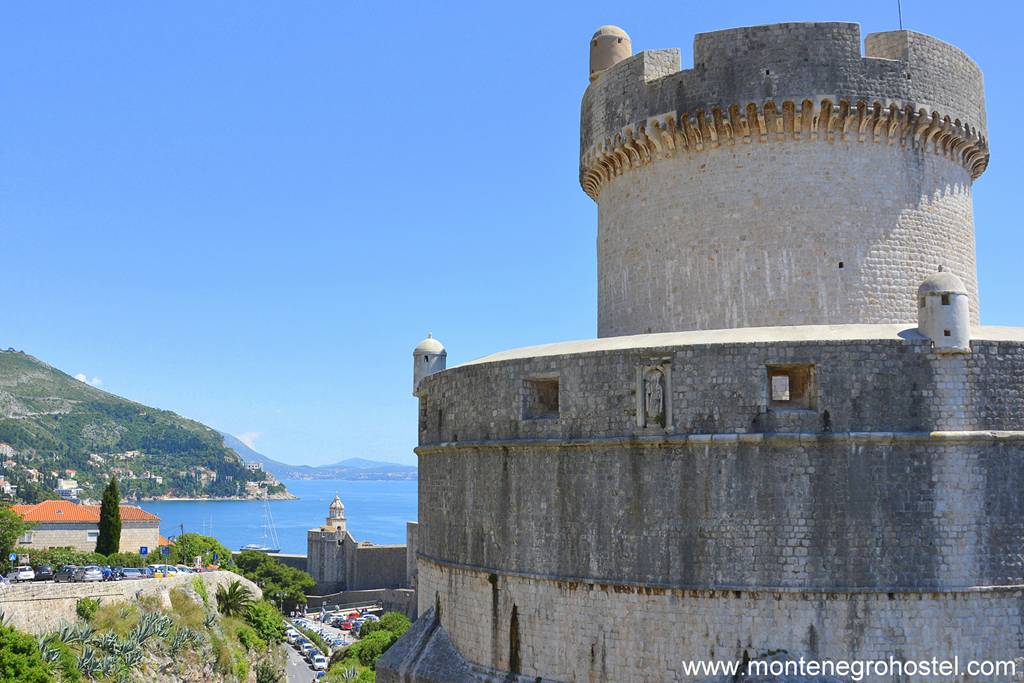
(209, 619)
(88, 662)
(108, 665)
(349, 674)
(151, 625)
(46, 650)
(178, 641)
(107, 642)
(125, 611)
(233, 600)
(132, 658)
(85, 632)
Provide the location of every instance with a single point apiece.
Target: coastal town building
(64, 524)
(792, 438)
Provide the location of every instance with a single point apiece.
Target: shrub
(200, 588)
(366, 676)
(396, 622)
(268, 673)
(86, 607)
(119, 618)
(267, 621)
(249, 639)
(20, 659)
(369, 649)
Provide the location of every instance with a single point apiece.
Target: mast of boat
(270, 527)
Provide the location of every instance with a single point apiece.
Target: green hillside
(54, 426)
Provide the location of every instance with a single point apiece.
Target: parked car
(44, 572)
(66, 573)
(319, 662)
(21, 574)
(89, 573)
(163, 570)
(129, 574)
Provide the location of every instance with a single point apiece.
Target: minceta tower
(791, 438)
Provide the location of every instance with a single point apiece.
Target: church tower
(336, 516)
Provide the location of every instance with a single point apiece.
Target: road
(296, 669)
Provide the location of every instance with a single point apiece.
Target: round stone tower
(785, 179)
(804, 449)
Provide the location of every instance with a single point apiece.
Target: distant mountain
(364, 464)
(349, 469)
(55, 427)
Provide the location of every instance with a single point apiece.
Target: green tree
(11, 529)
(284, 585)
(187, 547)
(234, 600)
(109, 540)
(20, 661)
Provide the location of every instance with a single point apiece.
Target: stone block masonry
(784, 180)
(43, 607)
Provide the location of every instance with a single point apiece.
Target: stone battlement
(777, 63)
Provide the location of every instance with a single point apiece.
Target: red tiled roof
(65, 511)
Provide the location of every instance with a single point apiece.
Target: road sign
(12, 557)
(215, 557)
(165, 550)
(143, 551)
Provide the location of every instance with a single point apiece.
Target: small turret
(336, 515)
(609, 46)
(428, 357)
(944, 313)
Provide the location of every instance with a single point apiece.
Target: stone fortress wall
(784, 167)
(885, 512)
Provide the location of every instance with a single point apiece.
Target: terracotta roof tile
(65, 511)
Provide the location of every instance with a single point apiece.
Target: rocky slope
(53, 427)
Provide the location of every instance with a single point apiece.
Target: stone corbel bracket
(670, 134)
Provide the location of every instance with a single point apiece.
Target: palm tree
(233, 600)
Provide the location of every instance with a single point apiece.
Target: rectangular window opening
(541, 399)
(791, 386)
(945, 299)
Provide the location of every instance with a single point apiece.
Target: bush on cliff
(281, 584)
(20, 659)
(266, 620)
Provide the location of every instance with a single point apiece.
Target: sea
(376, 511)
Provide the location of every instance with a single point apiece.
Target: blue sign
(215, 557)
(165, 550)
(143, 551)
(12, 557)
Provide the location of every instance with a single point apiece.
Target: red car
(346, 626)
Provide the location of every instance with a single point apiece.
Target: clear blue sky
(249, 213)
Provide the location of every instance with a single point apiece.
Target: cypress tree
(109, 540)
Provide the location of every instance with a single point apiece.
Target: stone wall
(583, 631)
(785, 61)
(391, 599)
(787, 234)
(882, 518)
(43, 607)
(77, 535)
(378, 566)
(784, 180)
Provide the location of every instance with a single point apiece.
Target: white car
(22, 574)
(319, 662)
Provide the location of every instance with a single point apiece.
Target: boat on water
(270, 543)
